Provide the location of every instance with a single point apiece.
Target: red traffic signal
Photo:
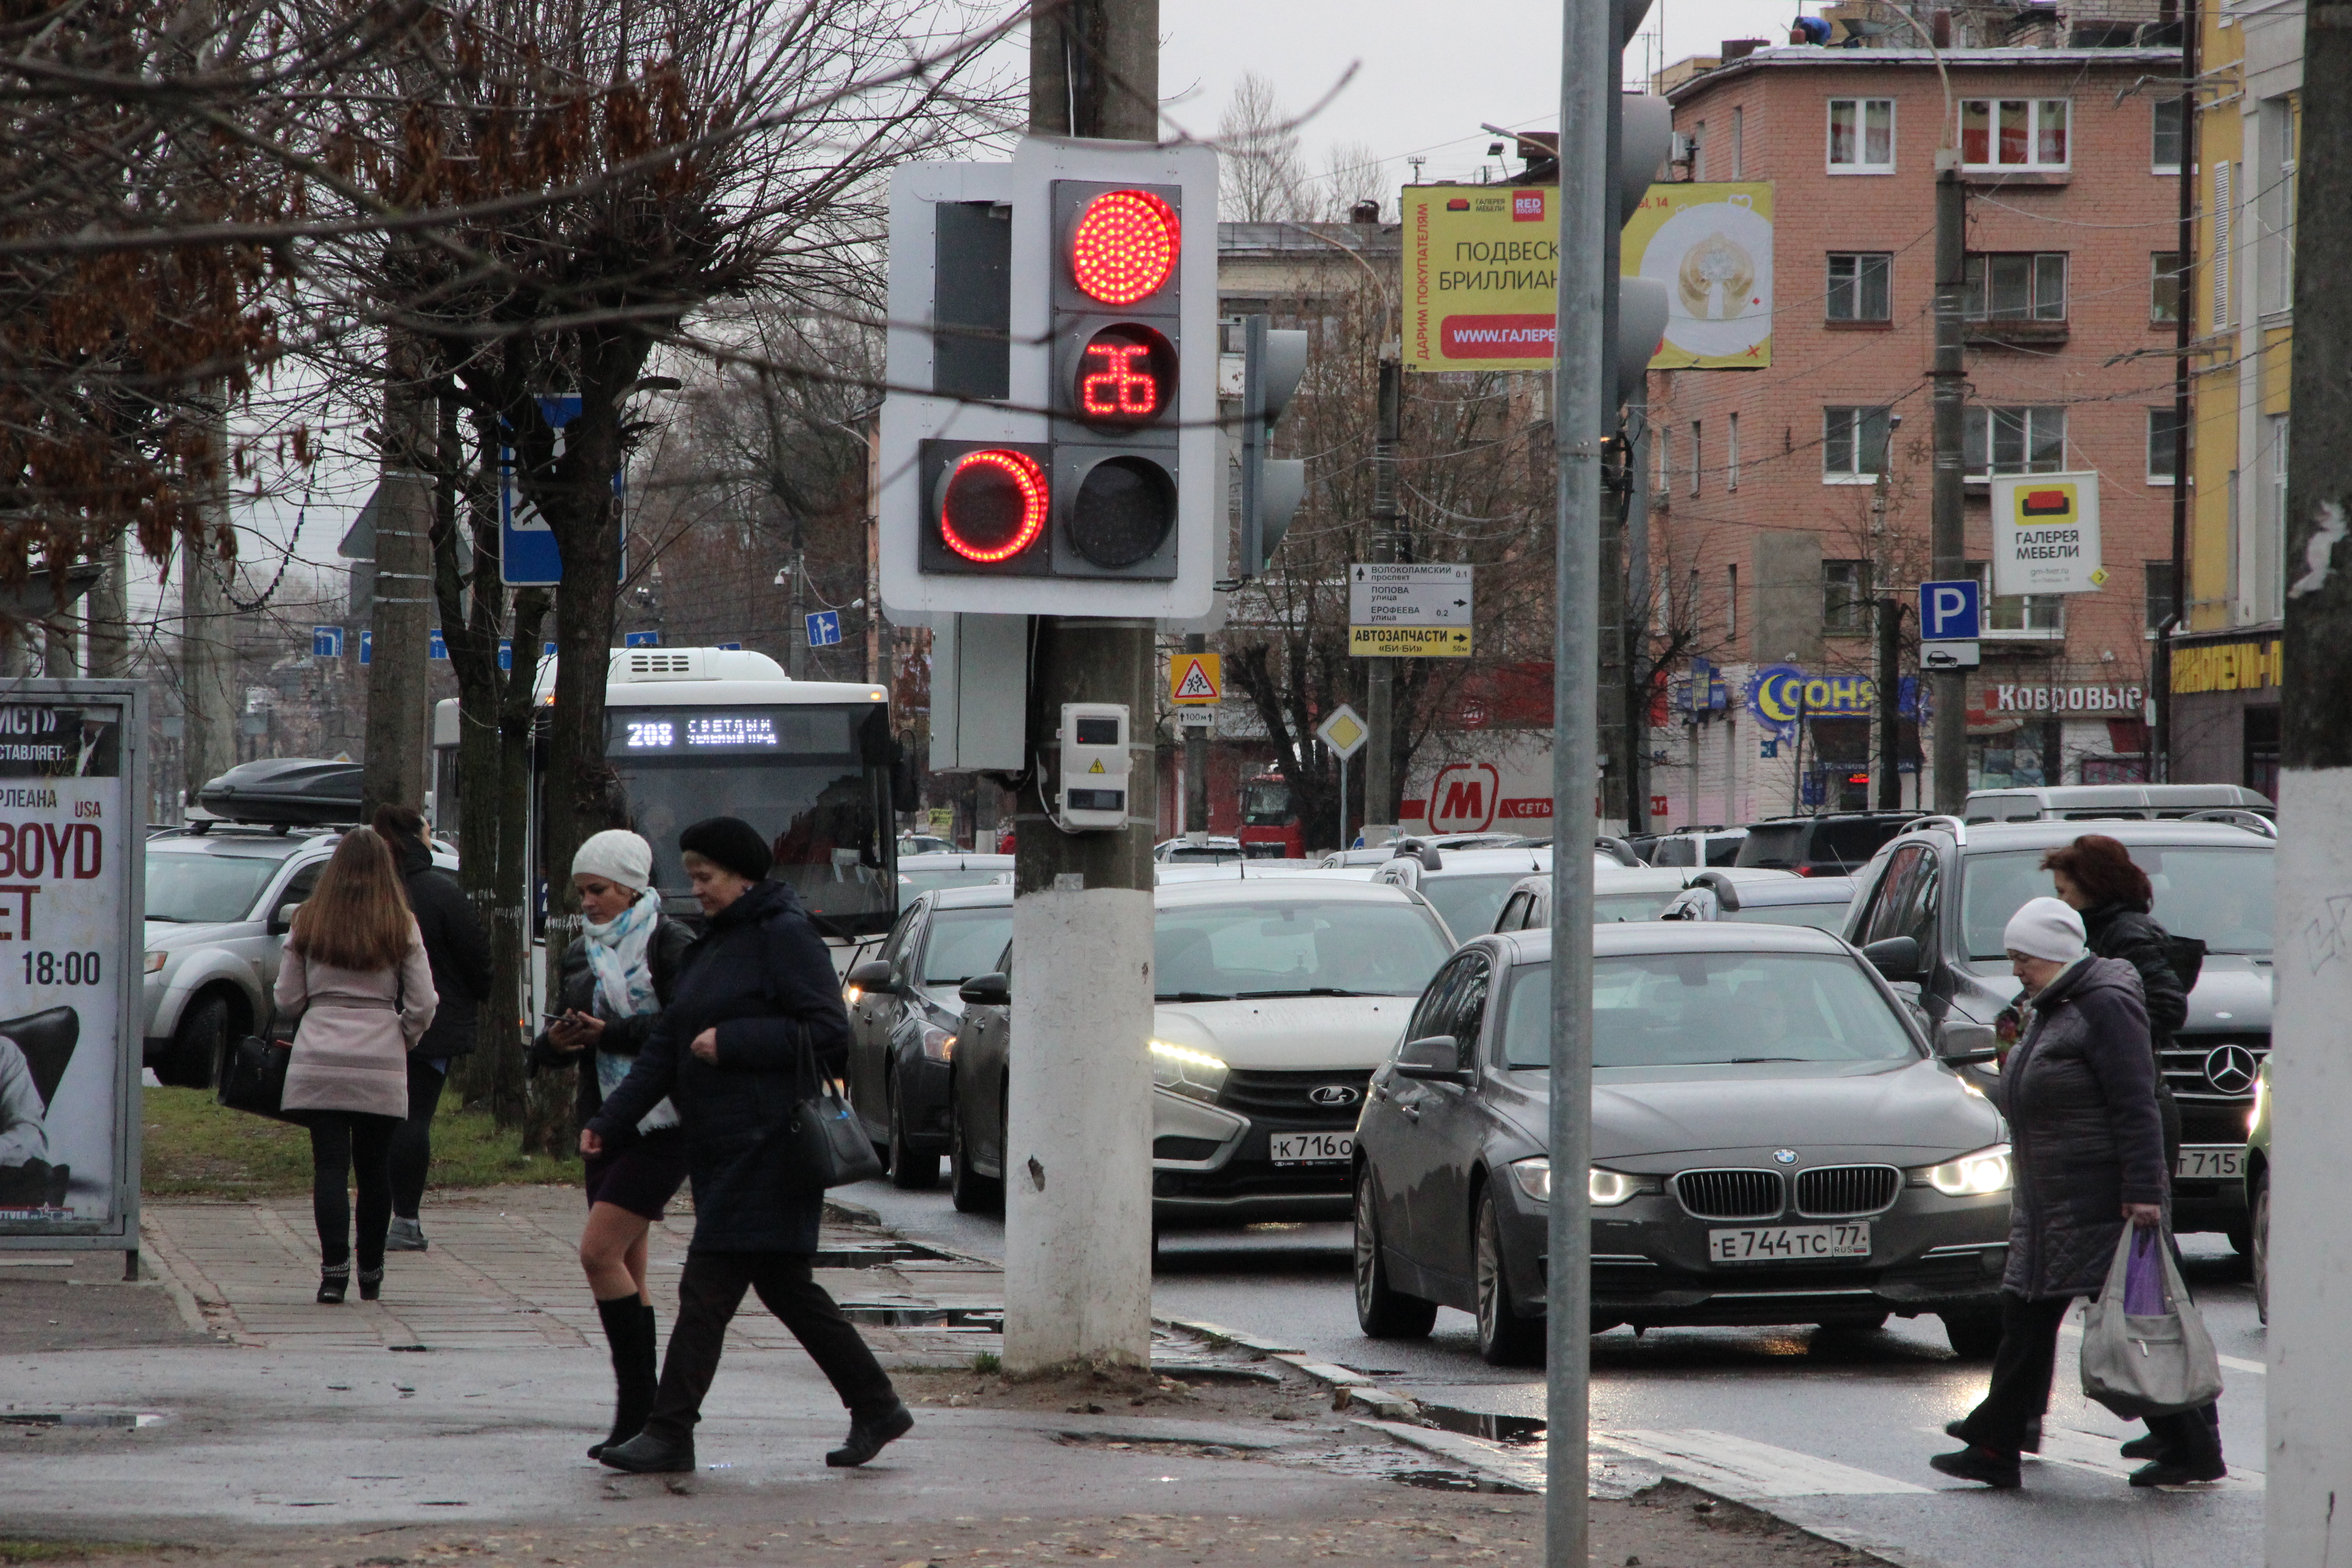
(1125, 247)
(993, 504)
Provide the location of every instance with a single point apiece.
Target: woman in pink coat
(355, 971)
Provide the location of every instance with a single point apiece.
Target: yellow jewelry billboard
(1481, 281)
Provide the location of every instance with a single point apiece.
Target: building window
(1731, 455)
(1738, 144)
(1665, 460)
(2163, 444)
(2018, 615)
(2164, 135)
(1854, 445)
(1730, 603)
(1699, 151)
(1697, 451)
(1846, 598)
(1858, 288)
(2160, 594)
(2014, 440)
(2023, 133)
(2163, 286)
(2022, 286)
(2274, 207)
(1862, 136)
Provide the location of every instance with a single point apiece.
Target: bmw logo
(1785, 1156)
(1331, 1094)
(2230, 1068)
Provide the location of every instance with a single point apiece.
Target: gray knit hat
(616, 855)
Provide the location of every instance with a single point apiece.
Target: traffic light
(1644, 139)
(1048, 443)
(1271, 364)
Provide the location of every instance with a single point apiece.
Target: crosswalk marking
(1742, 1468)
(2096, 1452)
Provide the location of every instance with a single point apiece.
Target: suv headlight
(155, 962)
(938, 1046)
(1181, 1069)
(1970, 1175)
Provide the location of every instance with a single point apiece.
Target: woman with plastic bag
(2079, 1093)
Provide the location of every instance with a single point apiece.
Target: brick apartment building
(1784, 501)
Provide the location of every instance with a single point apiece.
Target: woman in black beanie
(756, 1010)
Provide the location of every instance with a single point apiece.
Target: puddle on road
(1456, 1481)
(1516, 1430)
(912, 1315)
(876, 1255)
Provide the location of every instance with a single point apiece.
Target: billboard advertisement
(71, 892)
(1481, 277)
(2045, 534)
(1711, 245)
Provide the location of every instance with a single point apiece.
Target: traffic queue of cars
(1790, 1117)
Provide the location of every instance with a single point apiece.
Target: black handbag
(823, 1145)
(253, 1077)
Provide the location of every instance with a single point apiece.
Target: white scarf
(618, 957)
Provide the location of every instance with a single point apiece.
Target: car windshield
(1469, 904)
(915, 882)
(1609, 907)
(1713, 1009)
(206, 889)
(2221, 895)
(964, 942)
(1294, 948)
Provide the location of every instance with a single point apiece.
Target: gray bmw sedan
(1773, 1143)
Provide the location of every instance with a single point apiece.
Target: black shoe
(2147, 1445)
(2033, 1444)
(370, 1284)
(629, 1330)
(332, 1283)
(1975, 1464)
(650, 1454)
(867, 1438)
(2170, 1473)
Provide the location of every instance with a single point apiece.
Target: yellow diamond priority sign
(1343, 731)
(1195, 678)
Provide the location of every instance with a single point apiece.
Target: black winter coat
(455, 945)
(2117, 930)
(575, 992)
(762, 978)
(2079, 1091)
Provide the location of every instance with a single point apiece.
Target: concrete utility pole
(1617, 637)
(1890, 705)
(2309, 1446)
(1380, 674)
(1077, 1174)
(1633, 502)
(1589, 43)
(397, 693)
(207, 636)
(1947, 537)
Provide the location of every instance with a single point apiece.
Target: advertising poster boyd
(68, 869)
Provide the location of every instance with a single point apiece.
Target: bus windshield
(814, 780)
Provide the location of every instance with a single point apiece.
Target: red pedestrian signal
(1125, 247)
(994, 506)
(1127, 375)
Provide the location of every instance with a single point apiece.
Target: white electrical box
(1095, 767)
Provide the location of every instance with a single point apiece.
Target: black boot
(650, 1453)
(629, 1330)
(332, 1283)
(868, 1437)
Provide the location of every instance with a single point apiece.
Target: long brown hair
(2103, 868)
(359, 917)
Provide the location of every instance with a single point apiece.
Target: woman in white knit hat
(615, 982)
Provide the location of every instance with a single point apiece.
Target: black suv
(1947, 890)
(1830, 845)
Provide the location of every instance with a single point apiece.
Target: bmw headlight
(1970, 1175)
(1181, 1069)
(1607, 1189)
(1534, 1176)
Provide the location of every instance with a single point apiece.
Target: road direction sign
(1409, 611)
(823, 628)
(1195, 678)
(1951, 611)
(642, 639)
(1343, 730)
(326, 642)
(435, 645)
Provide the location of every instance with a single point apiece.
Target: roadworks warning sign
(1409, 642)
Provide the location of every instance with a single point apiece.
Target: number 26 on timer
(60, 969)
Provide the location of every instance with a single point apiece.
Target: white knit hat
(2046, 927)
(619, 856)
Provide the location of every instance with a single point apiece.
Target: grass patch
(196, 1148)
(987, 1364)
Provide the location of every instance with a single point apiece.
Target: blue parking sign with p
(1950, 612)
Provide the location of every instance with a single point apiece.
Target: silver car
(219, 904)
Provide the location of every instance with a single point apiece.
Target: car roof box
(285, 792)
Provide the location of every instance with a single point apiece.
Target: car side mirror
(1895, 957)
(874, 975)
(987, 991)
(1965, 1045)
(282, 921)
(1435, 1058)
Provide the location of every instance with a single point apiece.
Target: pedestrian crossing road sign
(1195, 678)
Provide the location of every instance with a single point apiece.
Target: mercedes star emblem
(2230, 1068)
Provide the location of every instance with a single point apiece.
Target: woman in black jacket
(459, 951)
(2079, 1094)
(2095, 875)
(756, 1012)
(615, 982)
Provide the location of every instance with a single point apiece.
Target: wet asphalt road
(1829, 1429)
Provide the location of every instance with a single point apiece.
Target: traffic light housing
(1048, 445)
(1645, 135)
(1273, 364)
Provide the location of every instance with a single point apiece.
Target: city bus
(693, 733)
